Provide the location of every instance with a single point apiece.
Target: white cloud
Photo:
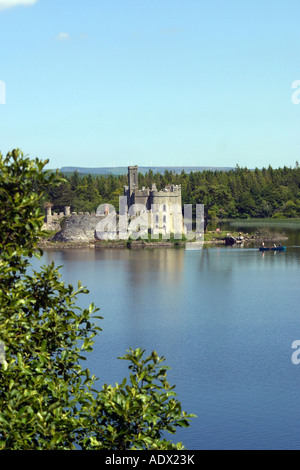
(15, 3)
(63, 37)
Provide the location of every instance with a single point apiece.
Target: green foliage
(134, 415)
(48, 399)
(22, 182)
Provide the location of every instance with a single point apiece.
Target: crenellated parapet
(51, 217)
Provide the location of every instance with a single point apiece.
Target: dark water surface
(224, 317)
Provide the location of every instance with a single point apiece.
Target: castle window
(165, 218)
(157, 218)
(165, 207)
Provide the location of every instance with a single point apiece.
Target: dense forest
(238, 193)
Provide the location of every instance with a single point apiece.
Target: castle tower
(133, 178)
(132, 182)
(48, 207)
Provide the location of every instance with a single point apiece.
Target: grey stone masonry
(168, 201)
(78, 228)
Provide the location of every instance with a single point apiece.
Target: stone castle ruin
(50, 218)
(170, 195)
(164, 207)
(159, 210)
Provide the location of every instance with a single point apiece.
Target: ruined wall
(79, 227)
(142, 196)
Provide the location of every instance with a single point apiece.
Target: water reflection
(225, 318)
(137, 262)
(214, 261)
(139, 282)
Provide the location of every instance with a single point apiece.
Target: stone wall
(83, 227)
(79, 227)
(142, 196)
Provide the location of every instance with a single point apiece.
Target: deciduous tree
(48, 400)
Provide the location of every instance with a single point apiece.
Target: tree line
(237, 193)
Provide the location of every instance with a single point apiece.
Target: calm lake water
(225, 319)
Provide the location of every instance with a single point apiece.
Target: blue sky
(151, 82)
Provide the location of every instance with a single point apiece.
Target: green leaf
(54, 406)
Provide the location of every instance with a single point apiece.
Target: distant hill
(122, 170)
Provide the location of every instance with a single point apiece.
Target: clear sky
(151, 82)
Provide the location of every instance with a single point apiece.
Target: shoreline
(112, 244)
(210, 239)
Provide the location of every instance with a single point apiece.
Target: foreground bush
(47, 399)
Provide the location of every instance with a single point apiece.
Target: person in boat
(263, 244)
(274, 245)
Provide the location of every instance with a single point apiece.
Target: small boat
(273, 248)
